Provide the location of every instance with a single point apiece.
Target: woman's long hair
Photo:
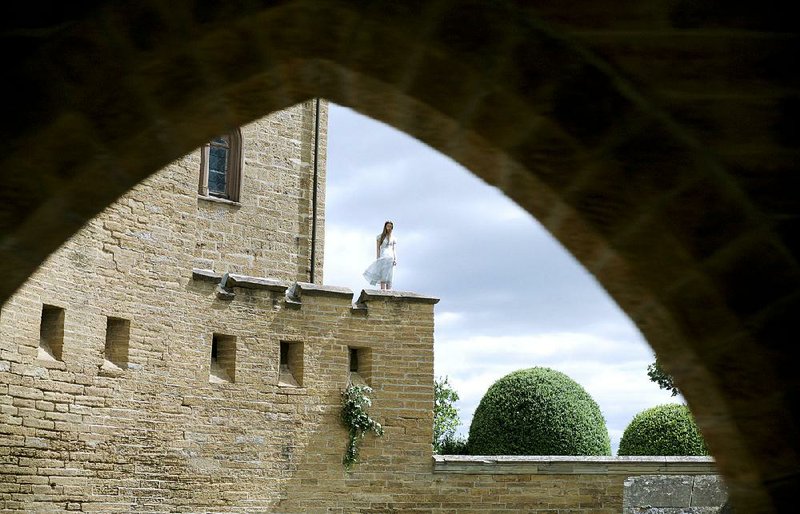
(385, 232)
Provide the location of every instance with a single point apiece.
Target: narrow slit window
(223, 359)
(360, 365)
(51, 333)
(117, 341)
(291, 364)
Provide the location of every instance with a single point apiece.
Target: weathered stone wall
(500, 484)
(161, 436)
(268, 232)
(563, 484)
(674, 494)
(151, 427)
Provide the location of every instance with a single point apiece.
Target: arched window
(221, 167)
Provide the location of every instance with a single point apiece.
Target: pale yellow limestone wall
(80, 434)
(268, 232)
(160, 437)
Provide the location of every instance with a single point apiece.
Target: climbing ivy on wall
(354, 416)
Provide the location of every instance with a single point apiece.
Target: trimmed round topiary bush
(667, 429)
(538, 411)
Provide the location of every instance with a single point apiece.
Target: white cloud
(343, 262)
(448, 319)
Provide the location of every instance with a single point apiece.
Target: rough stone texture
(673, 494)
(657, 141)
(268, 232)
(709, 490)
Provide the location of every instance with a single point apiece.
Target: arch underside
(654, 145)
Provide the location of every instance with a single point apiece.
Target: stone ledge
(237, 280)
(205, 275)
(249, 282)
(309, 289)
(405, 296)
(568, 465)
(223, 201)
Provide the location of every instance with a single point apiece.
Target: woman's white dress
(383, 268)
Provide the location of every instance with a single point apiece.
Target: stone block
(664, 494)
(709, 491)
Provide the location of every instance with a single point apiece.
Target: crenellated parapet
(227, 283)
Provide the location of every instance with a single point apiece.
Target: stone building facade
(130, 380)
(180, 353)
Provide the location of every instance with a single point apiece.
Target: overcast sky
(511, 296)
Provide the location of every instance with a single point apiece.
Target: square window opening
(360, 365)
(291, 364)
(117, 342)
(223, 359)
(51, 333)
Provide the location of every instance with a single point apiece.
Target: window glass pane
(217, 169)
(219, 166)
(216, 183)
(218, 159)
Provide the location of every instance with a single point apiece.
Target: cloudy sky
(511, 296)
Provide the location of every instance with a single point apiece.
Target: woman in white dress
(385, 258)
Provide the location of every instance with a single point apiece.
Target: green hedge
(667, 429)
(538, 411)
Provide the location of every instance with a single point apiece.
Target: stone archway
(622, 130)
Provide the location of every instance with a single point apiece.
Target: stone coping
(309, 289)
(295, 291)
(237, 280)
(206, 275)
(247, 282)
(391, 294)
(568, 465)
